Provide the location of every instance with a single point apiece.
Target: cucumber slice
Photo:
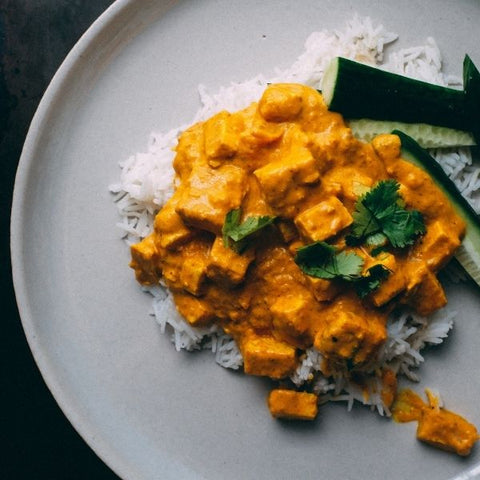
(468, 254)
(357, 90)
(427, 136)
(471, 85)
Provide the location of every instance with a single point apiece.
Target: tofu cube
(349, 336)
(394, 283)
(221, 140)
(210, 195)
(425, 293)
(226, 266)
(322, 289)
(446, 430)
(323, 220)
(291, 315)
(387, 146)
(193, 273)
(287, 230)
(281, 103)
(292, 405)
(282, 180)
(266, 356)
(169, 227)
(146, 261)
(438, 245)
(197, 312)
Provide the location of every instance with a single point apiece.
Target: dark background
(38, 441)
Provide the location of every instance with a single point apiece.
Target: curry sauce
(290, 158)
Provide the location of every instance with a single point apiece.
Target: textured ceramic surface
(147, 410)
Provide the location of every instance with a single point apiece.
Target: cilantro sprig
(380, 217)
(321, 260)
(235, 234)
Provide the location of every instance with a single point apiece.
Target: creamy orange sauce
(288, 156)
(436, 426)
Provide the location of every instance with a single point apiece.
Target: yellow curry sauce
(436, 426)
(288, 156)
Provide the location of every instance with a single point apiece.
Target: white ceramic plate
(148, 411)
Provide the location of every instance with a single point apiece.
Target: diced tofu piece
(169, 227)
(292, 405)
(424, 292)
(446, 430)
(323, 220)
(190, 150)
(254, 203)
(291, 315)
(145, 261)
(210, 195)
(262, 133)
(392, 285)
(350, 337)
(225, 265)
(281, 103)
(283, 182)
(193, 273)
(197, 312)
(322, 289)
(266, 356)
(387, 146)
(287, 230)
(438, 245)
(221, 139)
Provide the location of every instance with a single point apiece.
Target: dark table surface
(39, 442)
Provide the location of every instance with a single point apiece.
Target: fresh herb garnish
(371, 280)
(380, 217)
(322, 260)
(235, 233)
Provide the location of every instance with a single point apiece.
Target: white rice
(147, 181)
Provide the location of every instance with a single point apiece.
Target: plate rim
(102, 449)
(54, 90)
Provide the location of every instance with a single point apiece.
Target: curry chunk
(281, 103)
(437, 426)
(269, 357)
(169, 227)
(387, 146)
(446, 430)
(322, 289)
(196, 311)
(323, 220)
(438, 245)
(190, 150)
(350, 337)
(393, 285)
(193, 273)
(292, 405)
(424, 292)
(282, 180)
(221, 139)
(210, 195)
(291, 316)
(226, 266)
(145, 261)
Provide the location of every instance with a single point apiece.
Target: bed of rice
(146, 182)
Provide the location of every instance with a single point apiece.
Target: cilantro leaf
(371, 280)
(321, 260)
(380, 216)
(235, 233)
